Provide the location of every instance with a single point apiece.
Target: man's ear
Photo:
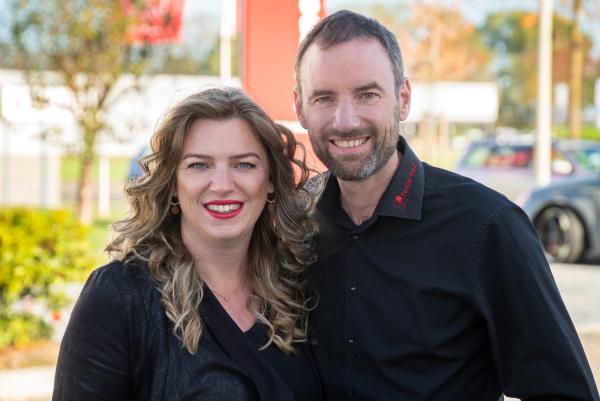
(298, 108)
(404, 98)
(404, 94)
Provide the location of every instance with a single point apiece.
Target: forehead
(355, 62)
(221, 138)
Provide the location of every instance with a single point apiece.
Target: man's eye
(369, 96)
(245, 165)
(323, 100)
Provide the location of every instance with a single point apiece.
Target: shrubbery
(39, 251)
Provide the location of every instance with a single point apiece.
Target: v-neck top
(119, 345)
(296, 370)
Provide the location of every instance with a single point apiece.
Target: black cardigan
(119, 345)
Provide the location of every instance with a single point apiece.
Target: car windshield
(498, 156)
(587, 158)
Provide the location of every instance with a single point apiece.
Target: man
(431, 286)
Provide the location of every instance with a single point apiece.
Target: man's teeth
(224, 208)
(350, 144)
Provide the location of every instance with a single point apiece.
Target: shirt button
(351, 340)
(352, 287)
(350, 393)
(355, 236)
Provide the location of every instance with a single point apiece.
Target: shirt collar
(402, 198)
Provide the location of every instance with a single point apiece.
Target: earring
(174, 205)
(271, 201)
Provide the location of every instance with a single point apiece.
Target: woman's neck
(223, 266)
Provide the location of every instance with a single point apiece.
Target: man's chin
(359, 172)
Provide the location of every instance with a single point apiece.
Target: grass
(69, 171)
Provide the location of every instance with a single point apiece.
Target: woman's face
(222, 181)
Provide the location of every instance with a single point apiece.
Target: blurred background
(506, 92)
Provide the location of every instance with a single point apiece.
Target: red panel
(270, 38)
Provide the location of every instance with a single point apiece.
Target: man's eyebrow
(369, 86)
(320, 92)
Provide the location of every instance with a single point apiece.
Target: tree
(88, 46)
(437, 42)
(513, 37)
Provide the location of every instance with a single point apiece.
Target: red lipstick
(224, 215)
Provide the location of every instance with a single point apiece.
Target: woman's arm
(93, 362)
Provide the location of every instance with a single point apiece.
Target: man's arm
(537, 352)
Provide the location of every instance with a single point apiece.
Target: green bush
(39, 251)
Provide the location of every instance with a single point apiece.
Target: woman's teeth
(224, 208)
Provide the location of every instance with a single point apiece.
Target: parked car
(506, 165)
(566, 215)
(135, 170)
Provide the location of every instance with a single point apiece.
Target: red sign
(157, 21)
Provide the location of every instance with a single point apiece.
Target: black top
(443, 294)
(119, 345)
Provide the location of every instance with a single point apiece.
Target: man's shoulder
(462, 191)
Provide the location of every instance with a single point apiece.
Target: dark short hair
(343, 26)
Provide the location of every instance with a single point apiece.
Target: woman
(205, 298)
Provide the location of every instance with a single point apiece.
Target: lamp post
(543, 147)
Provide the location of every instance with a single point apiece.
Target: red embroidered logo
(401, 200)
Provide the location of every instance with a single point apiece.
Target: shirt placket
(351, 286)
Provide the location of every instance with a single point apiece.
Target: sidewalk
(33, 384)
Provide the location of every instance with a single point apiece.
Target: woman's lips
(224, 209)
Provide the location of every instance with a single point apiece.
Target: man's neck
(360, 198)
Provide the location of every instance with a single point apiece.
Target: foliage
(437, 42)
(39, 251)
(514, 38)
(588, 132)
(87, 44)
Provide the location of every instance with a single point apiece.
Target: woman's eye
(246, 165)
(197, 165)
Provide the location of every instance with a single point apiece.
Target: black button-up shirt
(443, 294)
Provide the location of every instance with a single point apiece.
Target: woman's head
(220, 156)
(222, 122)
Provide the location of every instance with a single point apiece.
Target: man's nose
(346, 117)
(221, 182)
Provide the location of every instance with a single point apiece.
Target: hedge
(39, 251)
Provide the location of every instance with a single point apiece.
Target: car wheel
(561, 233)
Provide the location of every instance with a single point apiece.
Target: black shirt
(443, 294)
(119, 346)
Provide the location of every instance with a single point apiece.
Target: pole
(228, 18)
(543, 147)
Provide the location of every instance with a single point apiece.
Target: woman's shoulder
(118, 281)
(122, 273)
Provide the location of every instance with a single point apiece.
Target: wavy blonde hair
(280, 248)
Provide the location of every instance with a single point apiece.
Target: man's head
(344, 26)
(351, 93)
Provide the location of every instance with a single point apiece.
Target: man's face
(350, 107)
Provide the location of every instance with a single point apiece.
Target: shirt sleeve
(93, 362)
(536, 349)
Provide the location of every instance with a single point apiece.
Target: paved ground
(579, 286)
